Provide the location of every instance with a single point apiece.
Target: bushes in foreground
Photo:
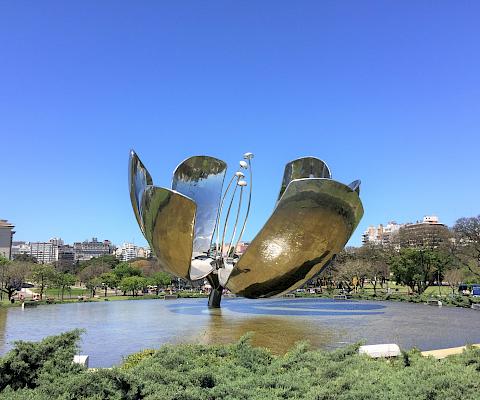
(237, 371)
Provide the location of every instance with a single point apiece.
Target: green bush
(240, 371)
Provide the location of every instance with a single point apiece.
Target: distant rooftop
(5, 224)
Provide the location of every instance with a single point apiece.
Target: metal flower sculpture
(187, 227)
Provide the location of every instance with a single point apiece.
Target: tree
(375, 264)
(25, 257)
(418, 268)
(63, 281)
(13, 276)
(160, 279)
(133, 284)
(42, 275)
(468, 236)
(454, 277)
(93, 284)
(125, 269)
(109, 280)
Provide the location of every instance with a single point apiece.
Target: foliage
(468, 236)
(240, 371)
(25, 258)
(43, 275)
(133, 284)
(30, 363)
(125, 269)
(12, 275)
(63, 281)
(159, 280)
(418, 267)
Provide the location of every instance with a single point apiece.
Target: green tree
(63, 281)
(109, 280)
(418, 268)
(25, 257)
(133, 284)
(160, 279)
(43, 275)
(124, 270)
(93, 284)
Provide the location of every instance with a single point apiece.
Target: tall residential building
(429, 231)
(44, 252)
(88, 249)
(6, 235)
(382, 234)
(129, 251)
(426, 233)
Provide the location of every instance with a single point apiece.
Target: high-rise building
(86, 250)
(129, 251)
(44, 252)
(426, 233)
(66, 255)
(382, 234)
(6, 236)
(429, 232)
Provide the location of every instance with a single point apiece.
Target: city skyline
(382, 93)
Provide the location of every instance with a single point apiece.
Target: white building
(129, 251)
(381, 234)
(44, 252)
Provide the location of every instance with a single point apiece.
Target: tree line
(101, 273)
(417, 258)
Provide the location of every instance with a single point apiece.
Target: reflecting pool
(117, 328)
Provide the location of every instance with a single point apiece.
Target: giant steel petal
(311, 223)
(201, 179)
(305, 167)
(138, 179)
(169, 219)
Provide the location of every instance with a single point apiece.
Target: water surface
(117, 328)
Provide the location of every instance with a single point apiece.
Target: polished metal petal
(201, 179)
(355, 185)
(138, 179)
(311, 223)
(305, 167)
(169, 219)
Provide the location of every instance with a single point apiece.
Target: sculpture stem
(215, 296)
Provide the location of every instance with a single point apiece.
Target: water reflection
(116, 329)
(278, 334)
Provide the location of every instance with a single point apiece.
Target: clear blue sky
(387, 92)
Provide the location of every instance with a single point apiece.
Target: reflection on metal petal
(168, 218)
(305, 167)
(138, 179)
(201, 179)
(311, 223)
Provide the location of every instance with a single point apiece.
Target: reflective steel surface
(138, 179)
(201, 179)
(305, 167)
(165, 217)
(312, 222)
(169, 219)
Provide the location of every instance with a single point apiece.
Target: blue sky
(387, 92)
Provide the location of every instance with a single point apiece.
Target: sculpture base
(215, 297)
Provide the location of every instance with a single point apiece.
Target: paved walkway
(442, 353)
